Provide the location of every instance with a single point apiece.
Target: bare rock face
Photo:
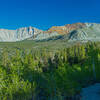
(91, 32)
(17, 35)
(7, 35)
(65, 29)
(71, 32)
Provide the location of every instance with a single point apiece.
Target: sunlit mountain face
(71, 32)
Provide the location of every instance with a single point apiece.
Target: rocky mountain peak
(76, 31)
(18, 34)
(65, 29)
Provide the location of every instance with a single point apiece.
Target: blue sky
(46, 13)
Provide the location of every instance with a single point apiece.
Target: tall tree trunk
(94, 72)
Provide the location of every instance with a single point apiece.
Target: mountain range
(70, 32)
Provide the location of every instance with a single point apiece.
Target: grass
(30, 44)
(52, 45)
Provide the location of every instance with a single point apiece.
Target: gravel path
(91, 93)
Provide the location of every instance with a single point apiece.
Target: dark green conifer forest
(59, 75)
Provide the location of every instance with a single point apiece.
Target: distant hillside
(91, 32)
(70, 32)
(18, 34)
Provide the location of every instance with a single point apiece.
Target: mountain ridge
(73, 32)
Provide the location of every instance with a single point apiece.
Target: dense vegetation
(60, 75)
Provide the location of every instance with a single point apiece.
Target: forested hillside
(29, 75)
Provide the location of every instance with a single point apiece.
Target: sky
(43, 14)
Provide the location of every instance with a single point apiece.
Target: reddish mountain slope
(65, 29)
